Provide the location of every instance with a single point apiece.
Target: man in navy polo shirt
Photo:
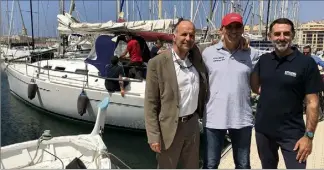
(284, 78)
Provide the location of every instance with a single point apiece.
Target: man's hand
(156, 147)
(244, 44)
(122, 92)
(304, 147)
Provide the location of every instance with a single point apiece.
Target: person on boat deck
(114, 70)
(134, 50)
(157, 48)
(229, 63)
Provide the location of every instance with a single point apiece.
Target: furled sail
(68, 24)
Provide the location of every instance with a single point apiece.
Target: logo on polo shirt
(289, 73)
(216, 59)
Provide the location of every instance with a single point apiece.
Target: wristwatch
(310, 135)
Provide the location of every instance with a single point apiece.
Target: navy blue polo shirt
(284, 83)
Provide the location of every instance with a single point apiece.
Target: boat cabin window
(59, 68)
(47, 67)
(81, 71)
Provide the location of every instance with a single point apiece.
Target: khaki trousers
(184, 150)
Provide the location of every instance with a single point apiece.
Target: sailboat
(57, 86)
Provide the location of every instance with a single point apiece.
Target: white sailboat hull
(59, 97)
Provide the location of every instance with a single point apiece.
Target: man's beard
(281, 45)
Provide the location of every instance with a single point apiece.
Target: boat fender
(82, 103)
(32, 89)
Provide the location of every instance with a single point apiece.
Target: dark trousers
(134, 70)
(184, 150)
(268, 152)
(214, 144)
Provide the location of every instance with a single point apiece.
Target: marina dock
(314, 161)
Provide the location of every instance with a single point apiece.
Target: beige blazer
(161, 106)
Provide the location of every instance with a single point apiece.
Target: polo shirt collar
(289, 57)
(219, 45)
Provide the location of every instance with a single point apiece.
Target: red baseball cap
(232, 17)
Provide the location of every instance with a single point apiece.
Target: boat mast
(62, 7)
(7, 13)
(174, 12)
(191, 10)
(32, 23)
(265, 38)
(118, 11)
(127, 14)
(160, 9)
(275, 10)
(150, 9)
(223, 8)
(252, 19)
(24, 30)
(10, 26)
(1, 31)
(63, 36)
(134, 11)
(261, 16)
(72, 6)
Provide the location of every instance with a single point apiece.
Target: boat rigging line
(139, 12)
(247, 3)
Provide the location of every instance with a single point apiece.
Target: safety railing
(83, 74)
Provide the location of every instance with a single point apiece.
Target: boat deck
(314, 161)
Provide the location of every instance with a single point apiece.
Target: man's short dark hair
(283, 21)
(114, 60)
(129, 34)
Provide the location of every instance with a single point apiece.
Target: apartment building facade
(311, 33)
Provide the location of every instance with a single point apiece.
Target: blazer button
(177, 106)
(176, 121)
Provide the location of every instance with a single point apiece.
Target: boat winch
(82, 103)
(32, 90)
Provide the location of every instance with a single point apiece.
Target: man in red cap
(228, 107)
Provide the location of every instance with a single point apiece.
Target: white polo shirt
(188, 83)
(229, 104)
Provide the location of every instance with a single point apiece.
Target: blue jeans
(213, 140)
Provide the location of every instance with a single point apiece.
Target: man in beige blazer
(175, 94)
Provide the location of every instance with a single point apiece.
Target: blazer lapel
(198, 65)
(172, 78)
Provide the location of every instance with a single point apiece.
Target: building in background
(311, 33)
